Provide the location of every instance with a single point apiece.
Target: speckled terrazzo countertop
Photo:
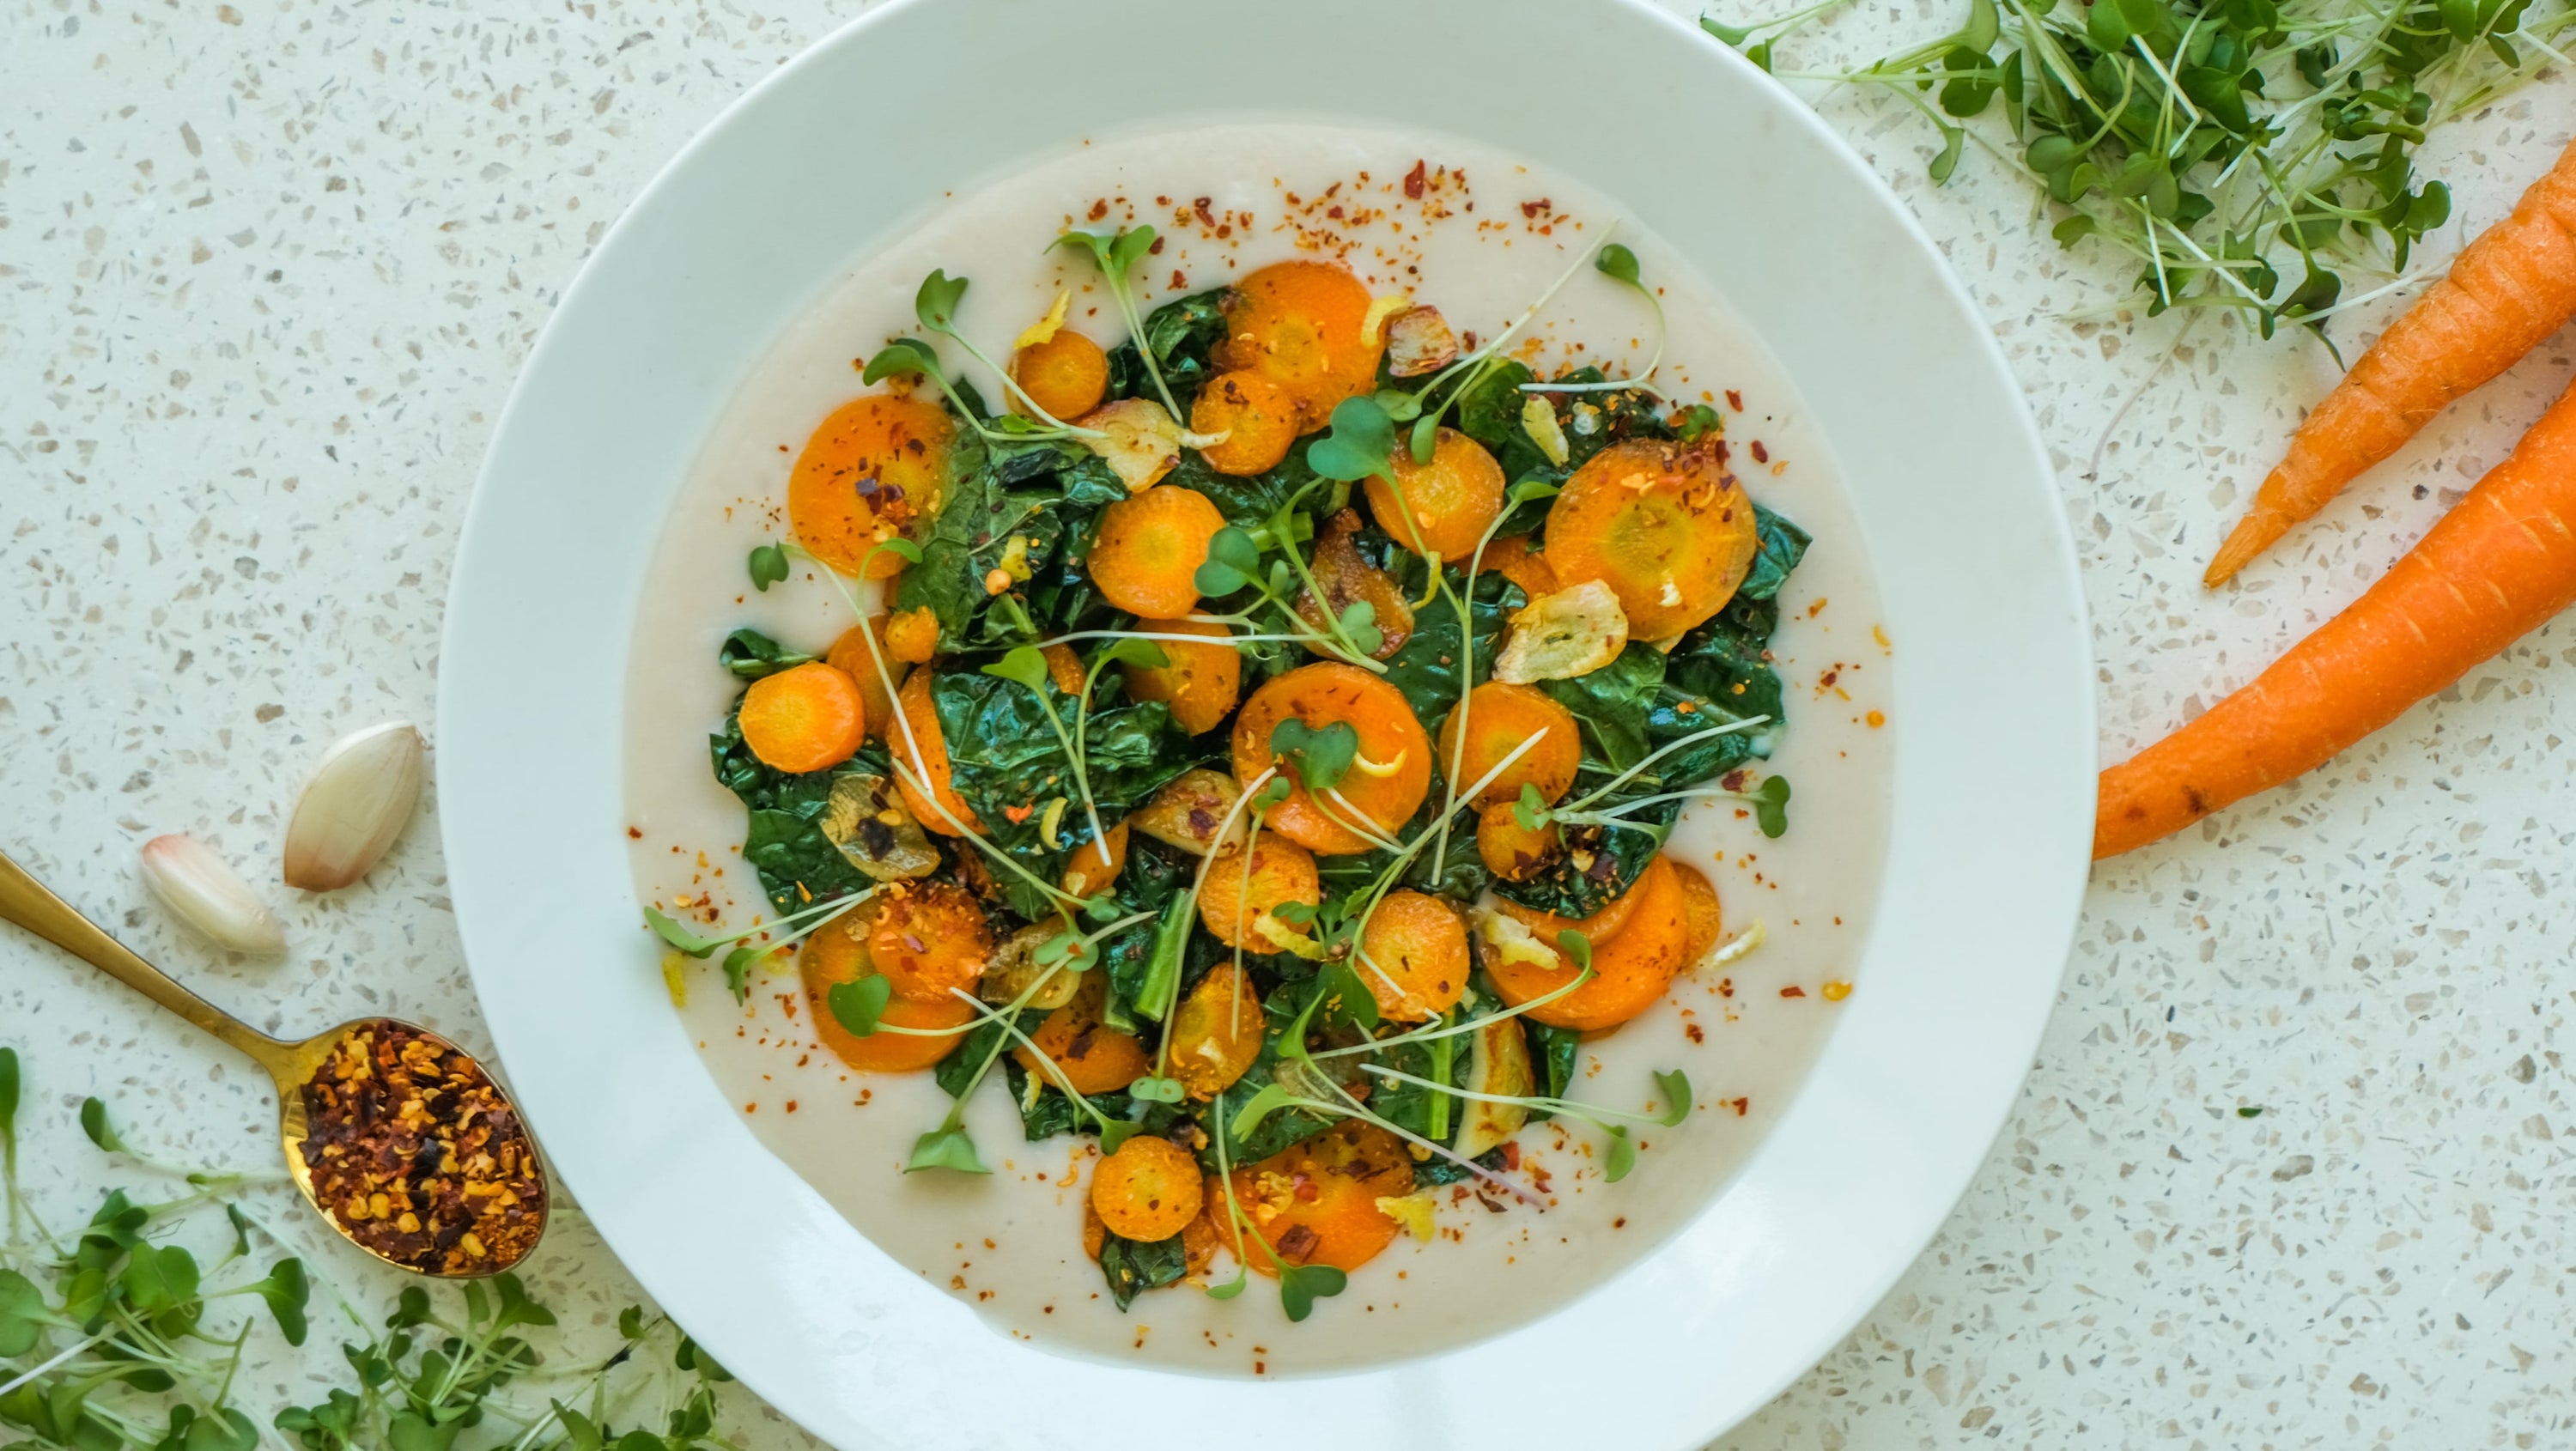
(267, 270)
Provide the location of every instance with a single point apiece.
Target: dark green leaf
(1132, 1268)
(751, 655)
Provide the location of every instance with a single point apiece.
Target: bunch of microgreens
(2247, 153)
(1359, 445)
(112, 1338)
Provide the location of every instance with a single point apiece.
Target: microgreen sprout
(1462, 376)
(1622, 1152)
(1117, 255)
(1234, 562)
(1617, 263)
(768, 566)
(1026, 665)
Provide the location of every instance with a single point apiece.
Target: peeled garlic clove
(359, 800)
(203, 891)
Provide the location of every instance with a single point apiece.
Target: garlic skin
(202, 890)
(359, 800)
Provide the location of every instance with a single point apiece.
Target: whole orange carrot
(2512, 287)
(2498, 565)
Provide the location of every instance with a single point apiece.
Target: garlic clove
(202, 890)
(359, 800)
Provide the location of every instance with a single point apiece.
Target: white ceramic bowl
(1993, 781)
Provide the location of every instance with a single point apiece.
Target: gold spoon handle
(26, 902)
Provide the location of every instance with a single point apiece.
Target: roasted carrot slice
(1256, 415)
(1216, 1032)
(1384, 786)
(912, 636)
(1514, 559)
(804, 719)
(1511, 851)
(1413, 956)
(1299, 324)
(1092, 1057)
(1707, 919)
(1442, 507)
(1498, 718)
(850, 655)
(838, 954)
(1316, 1202)
(932, 765)
(1630, 972)
(1600, 927)
(873, 468)
(1096, 864)
(1067, 374)
(1147, 558)
(1148, 1190)
(1236, 894)
(929, 939)
(1199, 682)
(1664, 525)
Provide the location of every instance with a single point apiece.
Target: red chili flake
(1829, 677)
(1512, 1155)
(1200, 205)
(1739, 1105)
(1735, 780)
(1696, 1036)
(1335, 213)
(1734, 400)
(1099, 208)
(1178, 280)
(1726, 987)
(1155, 250)
(1304, 1187)
(1413, 181)
(1761, 455)
(1532, 209)
(635, 833)
(1298, 1243)
(1793, 992)
(1722, 451)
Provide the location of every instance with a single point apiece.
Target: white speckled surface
(267, 270)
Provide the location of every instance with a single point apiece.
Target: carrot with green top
(2499, 565)
(2512, 287)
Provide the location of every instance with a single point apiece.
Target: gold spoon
(295, 1066)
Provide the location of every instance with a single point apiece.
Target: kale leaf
(1183, 332)
(1782, 545)
(750, 655)
(784, 842)
(1007, 764)
(1613, 704)
(1133, 1268)
(1600, 864)
(1428, 668)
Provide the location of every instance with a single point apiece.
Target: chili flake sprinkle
(418, 1156)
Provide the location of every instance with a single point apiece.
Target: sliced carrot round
(1199, 682)
(1664, 525)
(804, 719)
(1067, 374)
(873, 468)
(931, 765)
(1299, 324)
(1216, 1033)
(912, 636)
(1498, 718)
(1512, 851)
(1091, 1056)
(1442, 507)
(1413, 956)
(1316, 1202)
(1232, 901)
(1096, 864)
(851, 656)
(1149, 1190)
(1256, 415)
(929, 939)
(1147, 558)
(1516, 560)
(1382, 789)
(1700, 905)
(837, 954)
(1630, 972)
(1598, 928)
